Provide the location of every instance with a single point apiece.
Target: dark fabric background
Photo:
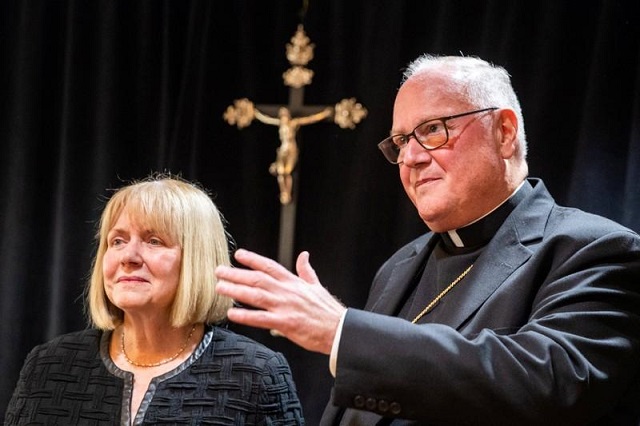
(96, 92)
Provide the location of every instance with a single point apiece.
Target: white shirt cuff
(333, 358)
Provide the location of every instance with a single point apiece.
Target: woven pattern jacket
(228, 380)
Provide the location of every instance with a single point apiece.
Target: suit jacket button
(383, 406)
(358, 401)
(395, 408)
(371, 404)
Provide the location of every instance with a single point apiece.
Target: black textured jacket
(228, 380)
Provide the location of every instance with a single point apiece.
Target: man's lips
(425, 181)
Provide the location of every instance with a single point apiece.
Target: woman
(156, 353)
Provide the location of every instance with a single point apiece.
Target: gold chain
(435, 301)
(155, 364)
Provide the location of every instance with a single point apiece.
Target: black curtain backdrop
(97, 92)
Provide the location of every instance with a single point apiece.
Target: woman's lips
(131, 279)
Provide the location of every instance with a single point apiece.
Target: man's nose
(414, 153)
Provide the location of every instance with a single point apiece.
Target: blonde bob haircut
(182, 212)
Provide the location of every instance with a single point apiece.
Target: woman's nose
(130, 254)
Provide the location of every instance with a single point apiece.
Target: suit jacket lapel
(497, 262)
(402, 278)
(504, 254)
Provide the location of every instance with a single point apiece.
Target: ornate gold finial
(348, 113)
(299, 54)
(297, 77)
(241, 113)
(300, 50)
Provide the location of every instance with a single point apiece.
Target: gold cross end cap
(348, 113)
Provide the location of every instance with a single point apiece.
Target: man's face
(461, 181)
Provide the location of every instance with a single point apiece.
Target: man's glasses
(430, 134)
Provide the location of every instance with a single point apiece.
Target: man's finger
(251, 296)
(253, 318)
(305, 270)
(260, 263)
(243, 276)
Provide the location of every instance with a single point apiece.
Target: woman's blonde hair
(185, 213)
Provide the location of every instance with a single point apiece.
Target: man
(510, 310)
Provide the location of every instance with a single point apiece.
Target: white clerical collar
(455, 237)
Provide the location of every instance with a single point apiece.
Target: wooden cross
(289, 118)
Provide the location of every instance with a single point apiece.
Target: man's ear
(507, 131)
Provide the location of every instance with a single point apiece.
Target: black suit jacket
(545, 329)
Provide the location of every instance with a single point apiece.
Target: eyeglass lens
(431, 134)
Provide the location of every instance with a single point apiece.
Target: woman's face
(141, 268)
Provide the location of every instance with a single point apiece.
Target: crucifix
(289, 119)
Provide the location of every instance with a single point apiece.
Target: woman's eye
(116, 242)
(155, 241)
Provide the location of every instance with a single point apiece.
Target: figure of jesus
(287, 152)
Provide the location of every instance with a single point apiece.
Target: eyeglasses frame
(389, 140)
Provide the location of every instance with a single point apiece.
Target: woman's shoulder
(72, 341)
(231, 343)
(231, 338)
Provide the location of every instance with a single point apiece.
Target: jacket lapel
(403, 277)
(504, 254)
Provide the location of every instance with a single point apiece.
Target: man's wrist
(333, 357)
